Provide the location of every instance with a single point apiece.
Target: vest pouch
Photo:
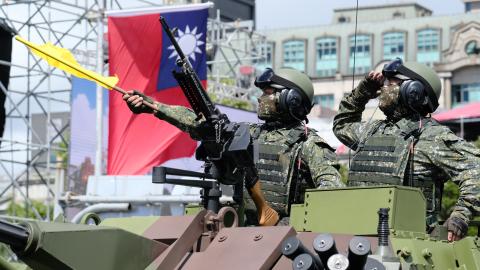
(381, 160)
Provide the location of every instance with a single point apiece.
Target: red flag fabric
(141, 55)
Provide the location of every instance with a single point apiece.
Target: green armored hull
(204, 240)
(353, 211)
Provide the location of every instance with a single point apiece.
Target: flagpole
(99, 90)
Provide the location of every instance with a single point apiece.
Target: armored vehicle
(369, 228)
(344, 228)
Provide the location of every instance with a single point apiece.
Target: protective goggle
(269, 79)
(265, 79)
(391, 69)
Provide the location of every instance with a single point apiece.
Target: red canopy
(471, 110)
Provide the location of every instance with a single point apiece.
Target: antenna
(355, 46)
(353, 73)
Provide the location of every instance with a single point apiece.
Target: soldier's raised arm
(347, 124)
(433, 154)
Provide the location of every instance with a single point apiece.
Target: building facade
(336, 57)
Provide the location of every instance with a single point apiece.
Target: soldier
(409, 147)
(291, 156)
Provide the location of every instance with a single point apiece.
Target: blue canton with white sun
(191, 36)
(189, 41)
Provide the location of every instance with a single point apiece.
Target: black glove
(369, 88)
(143, 108)
(372, 83)
(457, 226)
(366, 90)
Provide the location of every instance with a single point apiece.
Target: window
(465, 93)
(326, 64)
(324, 101)
(294, 54)
(468, 7)
(343, 19)
(265, 51)
(361, 54)
(393, 45)
(472, 48)
(398, 15)
(428, 46)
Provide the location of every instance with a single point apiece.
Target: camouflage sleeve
(181, 117)
(322, 161)
(347, 124)
(460, 161)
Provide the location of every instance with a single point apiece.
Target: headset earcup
(295, 104)
(403, 92)
(294, 99)
(282, 100)
(412, 93)
(291, 101)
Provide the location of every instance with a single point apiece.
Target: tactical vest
(277, 165)
(387, 159)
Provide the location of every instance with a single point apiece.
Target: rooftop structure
(337, 57)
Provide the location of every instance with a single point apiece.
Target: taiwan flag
(143, 57)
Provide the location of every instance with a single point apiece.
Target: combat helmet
(419, 76)
(296, 96)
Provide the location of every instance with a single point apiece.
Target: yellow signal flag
(63, 59)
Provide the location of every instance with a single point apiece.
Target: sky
(272, 14)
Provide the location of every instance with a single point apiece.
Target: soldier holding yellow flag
(291, 156)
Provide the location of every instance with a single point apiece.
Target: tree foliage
(230, 102)
(343, 170)
(22, 210)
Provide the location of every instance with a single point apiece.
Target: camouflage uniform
(438, 155)
(290, 158)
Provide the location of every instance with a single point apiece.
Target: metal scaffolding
(234, 49)
(38, 95)
(38, 91)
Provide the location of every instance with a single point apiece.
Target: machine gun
(226, 147)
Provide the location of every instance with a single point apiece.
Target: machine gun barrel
(13, 235)
(191, 85)
(171, 37)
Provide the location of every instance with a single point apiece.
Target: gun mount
(226, 147)
(211, 191)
